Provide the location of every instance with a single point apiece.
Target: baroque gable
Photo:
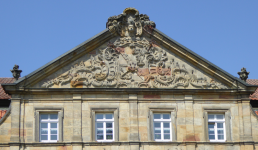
(131, 60)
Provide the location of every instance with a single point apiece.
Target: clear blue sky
(32, 33)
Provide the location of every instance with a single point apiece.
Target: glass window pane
(157, 125)
(211, 131)
(54, 116)
(212, 137)
(44, 117)
(166, 125)
(108, 125)
(53, 125)
(166, 130)
(211, 128)
(109, 116)
(44, 125)
(44, 131)
(109, 131)
(166, 136)
(158, 136)
(100, 137)
(211, 117)
(109, 137)
(53, 137)
(99, 116)
(43, 137)
(156, 116)
(99, 131)
(220, 117)
(220, 132)
(211, 125)
(53, 131)
(99, 125)
(221, 137)
(166, 116)
(157, 130)
(219, 125)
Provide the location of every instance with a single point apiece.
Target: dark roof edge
(66, 53)
(205, 60)
(6, 114)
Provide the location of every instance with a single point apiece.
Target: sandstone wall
(133, 119)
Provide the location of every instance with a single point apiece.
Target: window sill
(219, 141)
(164, 141)
(105, 141)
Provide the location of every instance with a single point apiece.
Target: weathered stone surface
(135, 57)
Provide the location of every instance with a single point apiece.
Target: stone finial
(243, 74)
(16, 72)
(130, 23)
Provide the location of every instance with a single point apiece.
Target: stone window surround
(217, 110)
(46, 109)
(172, 112)
(114, 111)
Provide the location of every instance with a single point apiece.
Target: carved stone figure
(130, 23)
(132, 61)
(16, 72)
(243, 74)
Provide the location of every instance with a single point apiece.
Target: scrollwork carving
(133, 63)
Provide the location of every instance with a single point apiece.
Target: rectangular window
(162, 127)
(216, 127)
(48, 127)
(104, 127)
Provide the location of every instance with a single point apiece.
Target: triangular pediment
(130, 62)
(131, 53)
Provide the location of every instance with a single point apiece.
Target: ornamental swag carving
(132, 61)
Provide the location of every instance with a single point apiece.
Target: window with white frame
(48, 128)
(216, 127)
(162, 127)
(104, 127)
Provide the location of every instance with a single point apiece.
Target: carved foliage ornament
(133, 62)
(130, 23)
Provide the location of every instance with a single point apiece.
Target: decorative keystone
(243, 74)
(16, 72)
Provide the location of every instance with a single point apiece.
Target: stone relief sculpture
(130, 23)
(132, 61)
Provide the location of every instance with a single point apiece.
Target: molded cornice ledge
(38, 144)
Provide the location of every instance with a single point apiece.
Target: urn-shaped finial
(16, 72)
(243, 74)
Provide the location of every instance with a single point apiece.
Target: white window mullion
(216, 131)
(104, 130)
(170, 131)
(48, 126)
(47, 121)
(105, 119)
(162, 132)
(162, 127)
(159, 119)
(224, 131)
(113, 131)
